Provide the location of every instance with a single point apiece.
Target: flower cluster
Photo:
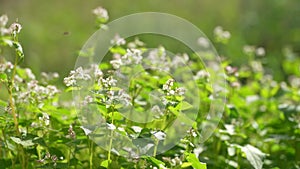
(135, 44)
(118, 97)
(171, 90)
(35, 93)
(104, 84)
(27, 88)
(118, 40)
(81, 74)
(71, 133)
(45, 119)
(108, 82)
(158, 58)
(179, 60)
(252, 50)
(6, 67)
(173, 161)
(221, 35)
(203, 42)
(3, 22)
(101, 13)
(201, 74)
(47, 77)
(50, 158)
(14, 28)
(132, 56)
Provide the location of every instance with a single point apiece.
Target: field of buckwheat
(109, 123)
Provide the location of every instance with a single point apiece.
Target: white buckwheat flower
(201, 75)
(168, 84)
(180, 91)
(124, 97)
(45, 118)
(101, 13)
(3, 21)
(107, 82)
(87, 100)
(29, 73)
(117, 40)
(15, 28)
(180, 60)
(260, 51)
(116, 64)
(133, 55)
(136, 43)
(97, 71)
(248, 50)
(78, 74)
(51, 91)
(202, 41)
(221, 35)
(7, 66)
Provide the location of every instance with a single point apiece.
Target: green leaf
(119, 50)
(154, 161)
(105, 163)
(72, 88)
(254, 156)
(3, 77)
(185, 105)
(174, 110)
(19, 50)
(24, 143)
(186, 164)
(104, 66)
(195, 162)
(116, 115)
(16, 45)
(7, 41)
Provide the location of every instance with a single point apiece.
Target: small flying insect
(66, 33)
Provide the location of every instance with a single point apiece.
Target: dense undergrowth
(260, 127)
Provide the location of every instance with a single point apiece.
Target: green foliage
(194, 161)
(40, 129)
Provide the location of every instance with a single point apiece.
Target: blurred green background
(53, 31)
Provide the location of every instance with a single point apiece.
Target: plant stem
(91, 151)
(69, 157)
(13, 109)
(10, 92)
(155, 147)
(238, 160)
(111, 139)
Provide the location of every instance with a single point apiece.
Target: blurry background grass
(53, 31)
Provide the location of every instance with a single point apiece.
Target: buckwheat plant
(134, 109)
(25, 106)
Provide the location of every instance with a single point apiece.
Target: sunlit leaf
(154, 161)
(194, 161)
(24, 143)
(105, 163)
(254, 156)
(186, 164)
(3, 77)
